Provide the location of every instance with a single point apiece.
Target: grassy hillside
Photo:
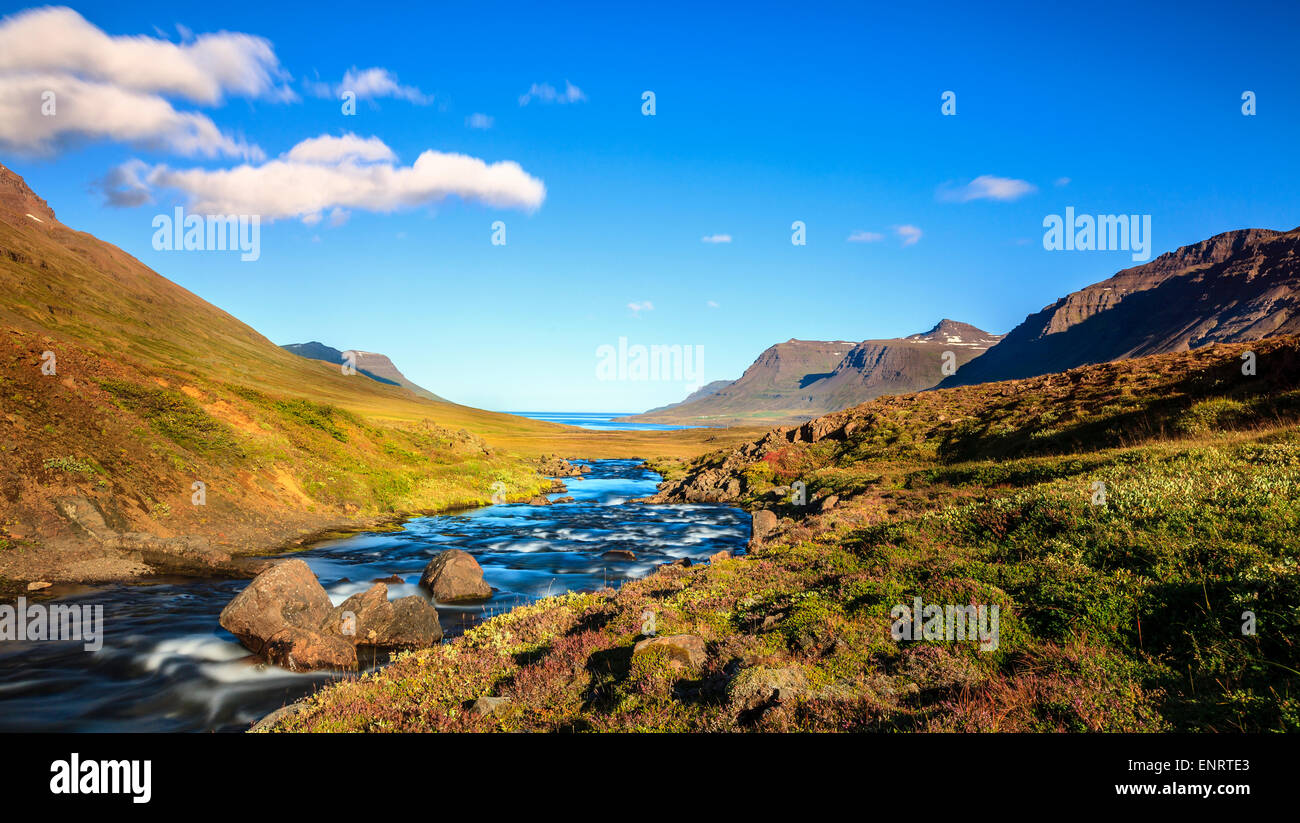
(1122, 614)
(154, 389)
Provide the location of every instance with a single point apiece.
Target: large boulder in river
(369, 619)
(303, 650)
(414, 625)
(287, 595)
(455, 575)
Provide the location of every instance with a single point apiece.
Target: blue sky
(828, 114)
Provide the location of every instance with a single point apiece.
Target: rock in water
(284, 596)
(303, 650)
(369, 619)
(618, 554)
(414, 625)
(455, 575)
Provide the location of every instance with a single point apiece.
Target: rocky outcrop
(185, 554)
(554, 466)
(763, 523)
(455, 575)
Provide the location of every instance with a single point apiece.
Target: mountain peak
(19, 203)
(956, 333)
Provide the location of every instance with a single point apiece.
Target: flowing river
(166, 665)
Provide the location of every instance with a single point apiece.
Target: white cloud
(478, 121)
(100, 111)
(865, 237)
(205, 70)
(546, 93)
(988, 187)
(339, 174)
(117, 88)
(910, 234)
(1062, 181)
(370, 84)
(330, 149)
(713, 304)
(716, 238)
(637, 308)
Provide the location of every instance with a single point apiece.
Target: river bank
(167, 666)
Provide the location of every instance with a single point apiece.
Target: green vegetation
(72, 465)
(1146, 581)
(176, 417)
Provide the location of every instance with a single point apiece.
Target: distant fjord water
(598, 420)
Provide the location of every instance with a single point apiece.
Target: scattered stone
(392, 578)
(618, 554)
(719, 556)
(828, 502)
(682, 649)
(488, 706)
(266, 723)
(539, 500)
(564, 500)
(455, 575)
(284, 596)
(757, 685)
(37, 585)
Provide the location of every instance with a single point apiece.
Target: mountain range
(801, 379)
(1234, 287)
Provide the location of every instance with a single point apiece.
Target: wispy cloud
(103, 87)
(637, 308)
(546, 93)
(865, 237)
(910, 234)
(713, 304)
(716, 238)
(1062, 181)
(479, 121)
(987, 187)
(370, 84)
(334, 175)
